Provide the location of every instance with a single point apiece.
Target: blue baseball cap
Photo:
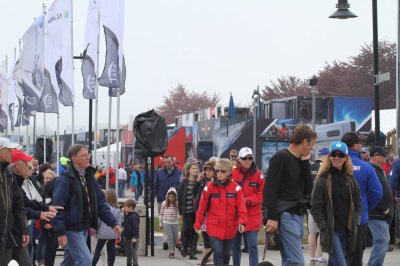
(339, 146)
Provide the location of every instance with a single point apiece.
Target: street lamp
(313, 85)
(255, 96)
(343, 11)
(343, 5)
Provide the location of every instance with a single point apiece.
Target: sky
(217, 46)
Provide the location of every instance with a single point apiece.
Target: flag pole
(108, 142)
(6, 130)
(12, 126)
(58, 141)
(96, 101)
(117, 140)
(44, 113)
(72, 53)
(26, 137)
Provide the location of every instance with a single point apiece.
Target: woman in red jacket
(223, 204)
(252, 182)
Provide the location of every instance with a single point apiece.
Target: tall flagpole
(6, 131)
(96, 101)
(26, 137)
(72, 53)
(58, 141)
(44, 113)
(108, 142)
(117, 140)
(12, 127)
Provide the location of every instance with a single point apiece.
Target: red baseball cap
(18, 155)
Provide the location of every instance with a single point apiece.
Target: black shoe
(165, 246)
(183, 252)
(390, 249)
(192, 256)
(198, 251)
(178, 246)
(244, 250)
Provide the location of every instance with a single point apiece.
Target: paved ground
(161, 257)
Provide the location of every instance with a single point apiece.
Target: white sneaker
(314, 259)
(322, 259)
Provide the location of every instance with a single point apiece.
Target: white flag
(90, 62)
(112, 17)
(32, 65)
(58, 48)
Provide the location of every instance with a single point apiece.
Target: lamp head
(343, 11)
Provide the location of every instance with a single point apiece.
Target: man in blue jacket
(370, 188)
(165, 178)
(84, 203)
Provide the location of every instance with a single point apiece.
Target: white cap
(245, 151)
(6, 143)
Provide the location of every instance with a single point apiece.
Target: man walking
(380, 217)
(84, 203)
(122, 177)
(370, 188)
(287, 187)
(12, 212)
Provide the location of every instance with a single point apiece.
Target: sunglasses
(221, 171)
(247, 158)
(337, 154)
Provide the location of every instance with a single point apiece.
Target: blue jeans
(339, 248)
(380, 237)
(222, 250)
(77, 252)
(251, 238)
(291, 229)
(121, 188)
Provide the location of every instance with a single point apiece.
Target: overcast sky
(219, 46)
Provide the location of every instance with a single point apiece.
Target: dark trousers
(110, 251)
(19, 254)
(51, 247)
(357, 256)
(189, 234)
(206, 239)
(222, 250)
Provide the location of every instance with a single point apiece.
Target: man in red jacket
(252, 182)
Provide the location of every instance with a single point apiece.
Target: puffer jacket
(224, 207)
(12, 212)
(252, 182)
(322, 211)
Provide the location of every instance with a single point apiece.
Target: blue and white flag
(58, 50)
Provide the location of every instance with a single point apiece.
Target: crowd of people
(226, 200)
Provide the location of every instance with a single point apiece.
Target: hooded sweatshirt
(169, 215)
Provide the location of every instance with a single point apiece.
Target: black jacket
(12, 212)
(182, 193)
(387, 199)
(131, 225)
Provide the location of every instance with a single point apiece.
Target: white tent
(387, 120)
(101, 154)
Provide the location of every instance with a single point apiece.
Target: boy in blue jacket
(131, 232)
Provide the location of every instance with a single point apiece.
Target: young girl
(187, 200)
(169, 219)
(106, 234)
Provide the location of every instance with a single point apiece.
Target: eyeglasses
(247, 158)
(221, 171)
(84, 155)
(337, 154)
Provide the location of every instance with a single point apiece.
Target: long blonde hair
(111, 197)
(327, 164)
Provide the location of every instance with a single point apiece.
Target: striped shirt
(189, 198)
(168, 215)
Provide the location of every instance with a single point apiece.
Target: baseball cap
(338, 146)
(377, 151)
(18, 155)
(121, 165)
(350, 138)
(6, 143)
(364, 150)
(64, 160)
(245, 151)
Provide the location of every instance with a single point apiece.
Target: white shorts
(312, 225)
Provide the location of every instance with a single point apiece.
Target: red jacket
(253, 186)
(223, 208)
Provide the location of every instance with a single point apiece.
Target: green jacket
(322, 211)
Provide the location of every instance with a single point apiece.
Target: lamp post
(255, 97)
(344, 13)
(313, 85)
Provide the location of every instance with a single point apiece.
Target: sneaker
(390, 249)
(171, 255)
(244, 250)
(178, 246)
(314, 259)
(321, 259)
(165, 246)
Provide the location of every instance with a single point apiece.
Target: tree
(347, 78)
(181, 101)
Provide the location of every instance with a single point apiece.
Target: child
(169, 219)
(106, 234)
(131, 232)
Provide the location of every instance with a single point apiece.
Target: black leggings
(110, 251)
(189, 234)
